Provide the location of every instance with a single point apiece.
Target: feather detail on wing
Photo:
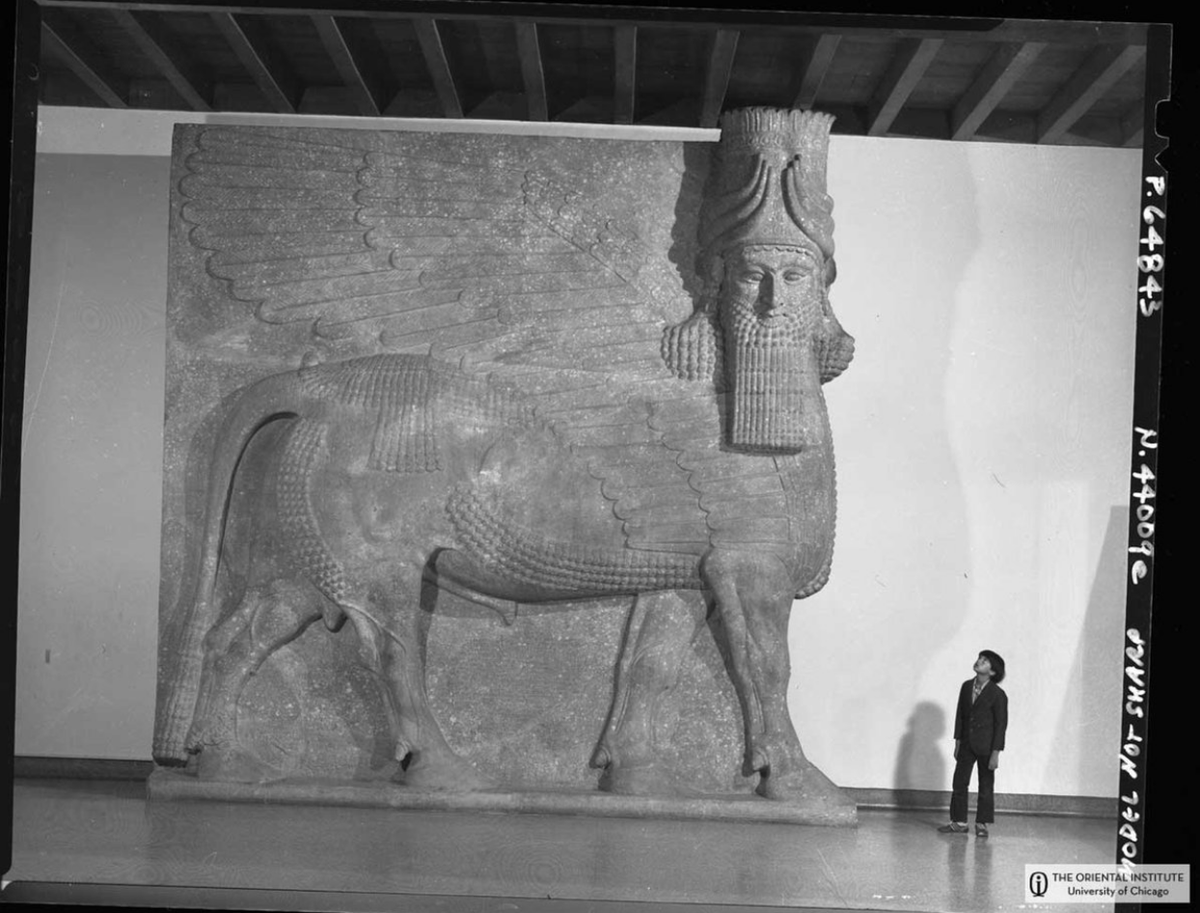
(504, 269)
(741, 496)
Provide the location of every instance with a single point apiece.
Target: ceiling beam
(367, 93)
(716, 79)
(83, 62)
(1078, 33)
(624, 73)
(928, 123)
(265, 65)
(994, 81)
(439, 66)
(903, 74)
(532, 74)
(163, 50)
(1095, 130)
(1103, 67)
(815, 70)
(1133, 127)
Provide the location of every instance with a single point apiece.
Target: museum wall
(981, 435)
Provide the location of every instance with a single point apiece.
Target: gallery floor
(102, 842)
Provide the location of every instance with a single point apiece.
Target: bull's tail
(272, 398)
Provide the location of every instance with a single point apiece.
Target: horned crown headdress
(768, 186)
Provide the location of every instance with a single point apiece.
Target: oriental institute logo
(1039, 884)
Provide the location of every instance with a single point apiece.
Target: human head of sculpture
(763, 330)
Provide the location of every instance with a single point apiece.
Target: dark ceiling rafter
(970, 79)
(262, 61)
(532, 74)
(902, 76)
(83, 63)
(716, 77)
(854, 25)
(1103, 67)
(1003, 69)
(1133, 127)
(820, 59)
(439, 67)
(193, 86)
(367, 92)
(624, 73)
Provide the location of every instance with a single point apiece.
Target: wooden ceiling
(956, 79)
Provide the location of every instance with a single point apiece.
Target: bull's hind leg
(398, 628)
(754, 595)
(270, 616)
(661, 628)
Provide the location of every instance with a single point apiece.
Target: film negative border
(1144, 455)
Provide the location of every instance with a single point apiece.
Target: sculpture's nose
(768, 293)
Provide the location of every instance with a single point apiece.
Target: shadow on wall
(1098, 665)
(919, 762)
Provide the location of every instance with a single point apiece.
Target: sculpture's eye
(795, 275)
(752, 276)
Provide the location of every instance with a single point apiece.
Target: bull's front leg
(754, 592)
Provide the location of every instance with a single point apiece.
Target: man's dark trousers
(985, 811)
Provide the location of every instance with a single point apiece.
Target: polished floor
(102, 842)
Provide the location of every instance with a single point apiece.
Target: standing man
(979, 728)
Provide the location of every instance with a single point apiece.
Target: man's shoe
(981, 830)
(952, 828)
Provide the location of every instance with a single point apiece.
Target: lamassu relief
(497, 462)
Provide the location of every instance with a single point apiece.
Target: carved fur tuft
(835, 350)
(693, 349)
(304, 451)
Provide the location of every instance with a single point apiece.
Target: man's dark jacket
(981, 725)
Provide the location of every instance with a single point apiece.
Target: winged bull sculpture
(589, 442)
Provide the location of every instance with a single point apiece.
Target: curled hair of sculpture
(693, 349)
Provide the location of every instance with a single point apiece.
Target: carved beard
(772, 379)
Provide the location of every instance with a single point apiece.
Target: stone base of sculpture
(825, 806)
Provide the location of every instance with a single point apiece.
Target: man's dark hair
(997, 662)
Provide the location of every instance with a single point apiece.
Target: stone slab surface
(463, 392)
(524, 698)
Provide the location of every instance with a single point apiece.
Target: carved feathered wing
(502, 268)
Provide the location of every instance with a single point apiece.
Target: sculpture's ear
(835, 347)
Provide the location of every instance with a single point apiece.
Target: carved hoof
(811, 789)
(601, 757)
(215, 734)
(444, 774)
(644, 780)
(784, 770)
(790, 786)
